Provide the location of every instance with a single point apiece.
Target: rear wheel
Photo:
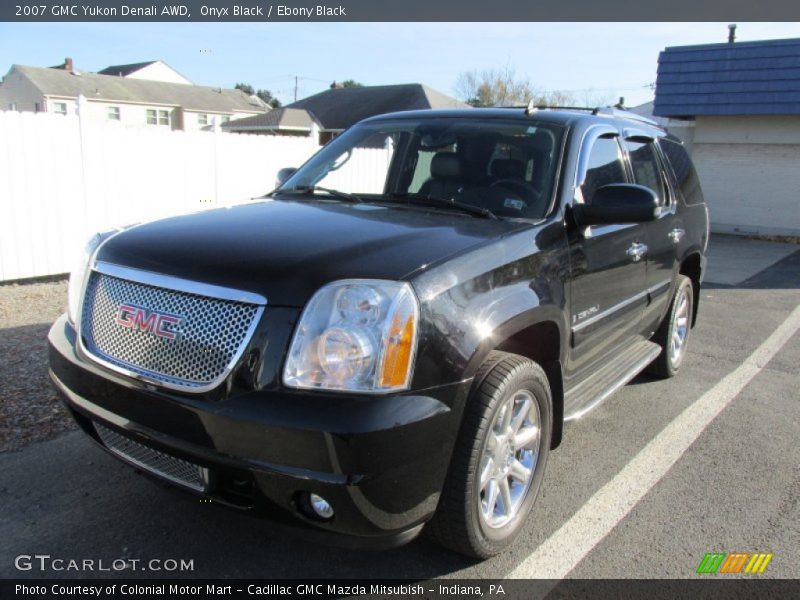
(499, 459)
(673, 334)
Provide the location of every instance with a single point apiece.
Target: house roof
(125, 70)
(339, 108)
(58, 82)
(285, 118)
(741, 78)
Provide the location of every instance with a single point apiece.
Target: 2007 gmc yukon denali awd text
(386, 343)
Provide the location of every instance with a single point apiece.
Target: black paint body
(482, 284)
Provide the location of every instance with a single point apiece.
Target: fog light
(320, 506)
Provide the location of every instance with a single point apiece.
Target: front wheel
(499, 459)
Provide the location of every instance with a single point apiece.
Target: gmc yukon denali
(395, 337)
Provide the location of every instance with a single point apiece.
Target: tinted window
(647, 168)
(604, 167)
(508, 166)
(683, 171)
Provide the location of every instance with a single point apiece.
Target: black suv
(397, 334)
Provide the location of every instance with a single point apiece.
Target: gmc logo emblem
(148, 321)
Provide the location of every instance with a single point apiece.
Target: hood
(285, 250)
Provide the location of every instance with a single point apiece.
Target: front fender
(472, 304)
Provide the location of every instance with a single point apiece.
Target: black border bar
(396, 10)
(709, 587)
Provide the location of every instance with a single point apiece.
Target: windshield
(505, 166)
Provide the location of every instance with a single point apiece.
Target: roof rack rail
(604, 111)
(555, 107)
(531, 107)
(615, 111)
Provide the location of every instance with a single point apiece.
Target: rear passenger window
(647, 168)
(683, 170)
(604, 167)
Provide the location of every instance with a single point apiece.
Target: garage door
(751, 188)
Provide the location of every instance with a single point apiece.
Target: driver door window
(603, 167)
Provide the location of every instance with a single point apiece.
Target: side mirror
(618, 203)
(284, 175)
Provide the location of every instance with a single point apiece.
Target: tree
(501, 87)
(245, 87)
(594, 98)
(265, 95)
(351, 83)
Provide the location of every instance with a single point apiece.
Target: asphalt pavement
(732, 487)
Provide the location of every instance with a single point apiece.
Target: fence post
(83, 117)
(217, 129)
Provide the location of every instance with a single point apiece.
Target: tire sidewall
(685, 285)
(489, 537)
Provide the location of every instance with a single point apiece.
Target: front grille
(169, 467)
(197, 352)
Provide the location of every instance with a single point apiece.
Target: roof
(565, 116)
(741, 78)
(125, 70)
(339, 108)
(285, 118)
(57, 82)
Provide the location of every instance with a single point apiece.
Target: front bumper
(379, 460)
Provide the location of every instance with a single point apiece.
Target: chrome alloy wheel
(509, 459)
(680, 328)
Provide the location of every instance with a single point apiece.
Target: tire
(677, 320)
(510, 393)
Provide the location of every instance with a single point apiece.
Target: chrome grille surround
(211, 337)
(164, 465)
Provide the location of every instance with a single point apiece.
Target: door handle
(636, 251)
(676, 234)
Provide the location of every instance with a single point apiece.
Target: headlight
(355, 335)
(77, 277)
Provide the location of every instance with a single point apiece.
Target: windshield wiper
(439, 202)
(302, 189)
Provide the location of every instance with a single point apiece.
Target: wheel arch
(538, 337)
(692, 267)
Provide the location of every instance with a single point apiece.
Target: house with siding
(741, 102)
(328, 113)
(139, 95)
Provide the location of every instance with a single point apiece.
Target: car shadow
(78, 502)
(781, 275)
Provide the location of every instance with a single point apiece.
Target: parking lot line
(572, 542)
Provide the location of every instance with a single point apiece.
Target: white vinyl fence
(63, 178)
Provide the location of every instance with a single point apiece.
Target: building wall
(18, 89)
(683, 131)
(159, 71)
(748, 167)
(192, 121)
(135, 115)
(131, 115)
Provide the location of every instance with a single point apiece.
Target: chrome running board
(601, 384)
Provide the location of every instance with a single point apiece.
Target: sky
(590, 60)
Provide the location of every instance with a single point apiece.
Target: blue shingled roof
(743, 78)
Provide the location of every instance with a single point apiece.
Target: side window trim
(669, 175)
(632, 135)
(666, 176)
(590, 136)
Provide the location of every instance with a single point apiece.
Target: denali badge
(148, 321)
